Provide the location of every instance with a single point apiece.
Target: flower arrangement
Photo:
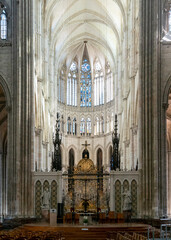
(85, 219)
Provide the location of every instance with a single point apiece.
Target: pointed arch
(71, 168)
(7, 93)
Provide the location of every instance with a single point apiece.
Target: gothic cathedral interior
(85, 108)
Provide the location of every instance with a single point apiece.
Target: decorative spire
(115, 161)
(56, 160)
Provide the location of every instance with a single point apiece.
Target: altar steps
(90, 232)
(85, 235)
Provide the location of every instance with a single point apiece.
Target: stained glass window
(97, 126)
(85, 84)
(61, 87)
(109, 83)
(72, 85)
(3, 25)
(98, 85)
(170, 19)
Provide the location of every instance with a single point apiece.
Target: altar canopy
(88, 190)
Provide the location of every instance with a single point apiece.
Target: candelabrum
(57, 139)
(115, 160)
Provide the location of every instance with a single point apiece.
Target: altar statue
(85, 204)
(127, 202)
(46, 199)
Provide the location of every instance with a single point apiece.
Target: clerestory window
(85, 84)
(72, 85)
(109, 84)
(98, 85)
(3, 22)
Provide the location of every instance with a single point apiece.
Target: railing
(165, 231)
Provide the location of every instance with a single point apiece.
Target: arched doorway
(3, 150)
(110, 162)
(100, 168)
(71, 169)
(168, 154)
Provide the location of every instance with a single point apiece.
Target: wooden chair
(119, 236)
(120, 218)
(102, 217)
(68, 217)
(21, 238)
(111, 217)
(77, 217)
(129, 236)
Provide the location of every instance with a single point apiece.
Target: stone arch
(134, 197)
(38, 194)
(5, 117)
(109, 153)
(117, 196)
(165, 166)
(71, 164)
(54, 194)
(6, 90)
(99, 156)
(167, 90)
(167, 122)
(125, 185)
(71, 158)
(46, 185)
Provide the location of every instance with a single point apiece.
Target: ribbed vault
(69, 23)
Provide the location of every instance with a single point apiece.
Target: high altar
(86, 188)
(88, 191)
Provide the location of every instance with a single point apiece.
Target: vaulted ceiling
(99, 22)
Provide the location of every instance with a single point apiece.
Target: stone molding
(5, 44)
(38, 131)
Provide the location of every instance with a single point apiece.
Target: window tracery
(3, 22)
(169, 18)
(74, 127)
(98, 85)
(69, 125)
(167, 21)
(61, 87)
(82, 126)
(109, 84)
(85, 84)
(72, 85)
(88, 126)
(97, 126)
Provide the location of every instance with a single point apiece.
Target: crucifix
(86, 144)
(85, 153)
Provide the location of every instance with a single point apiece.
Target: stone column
(20, 204)
(150, 83)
